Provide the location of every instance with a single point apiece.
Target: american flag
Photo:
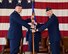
(60, 9)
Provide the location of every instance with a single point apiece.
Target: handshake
(33, 27)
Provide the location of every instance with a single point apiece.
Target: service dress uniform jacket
(15, 31)
(54, 34)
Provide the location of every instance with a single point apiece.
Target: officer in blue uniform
(53, 29)
(15, 30)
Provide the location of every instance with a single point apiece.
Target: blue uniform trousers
(55, 47)
(14, 45)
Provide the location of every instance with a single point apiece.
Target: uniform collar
(51, 16)
(16, 12)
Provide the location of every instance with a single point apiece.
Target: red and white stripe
(60, 9)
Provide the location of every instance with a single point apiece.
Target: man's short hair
(48, 8)
(19, 4)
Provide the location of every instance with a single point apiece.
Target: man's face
(49, 13)
(18, 9)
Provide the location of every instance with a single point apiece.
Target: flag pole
(33, 50)
(33, 42)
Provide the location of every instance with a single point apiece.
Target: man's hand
(32, 17)
(37, 30)
(33, 30)
(32, 20)
(32, 26)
